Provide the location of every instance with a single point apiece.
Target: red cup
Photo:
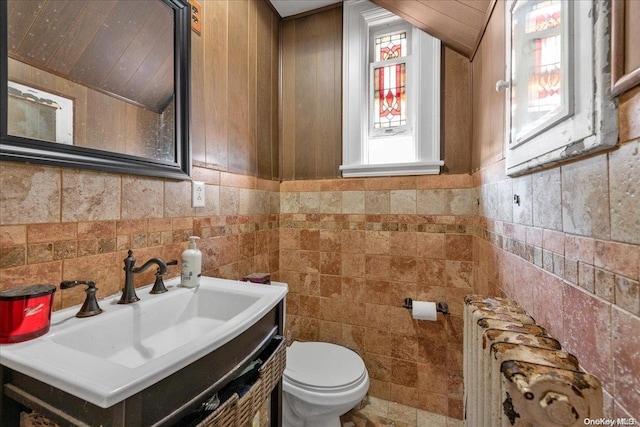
(25, 312)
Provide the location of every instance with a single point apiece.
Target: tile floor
(374, 412)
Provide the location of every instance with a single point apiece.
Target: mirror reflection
(95, 73)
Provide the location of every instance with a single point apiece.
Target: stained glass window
(391, 46)
(539, 66)
(389, 96)
(389, 80)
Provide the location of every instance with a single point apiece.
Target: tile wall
(353, 249)
(63, 224)
(569, 253)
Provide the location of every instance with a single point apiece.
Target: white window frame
(593, 124)
(362, 17)
(63, 106)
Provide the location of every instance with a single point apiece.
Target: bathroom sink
(106, 358)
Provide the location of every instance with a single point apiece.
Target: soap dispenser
(191, 264)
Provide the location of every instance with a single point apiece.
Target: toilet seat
(323, 367)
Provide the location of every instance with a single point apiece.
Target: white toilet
(321, 382)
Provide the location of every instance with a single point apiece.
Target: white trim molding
(360, 18)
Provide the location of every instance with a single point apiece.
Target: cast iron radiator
(517, 375)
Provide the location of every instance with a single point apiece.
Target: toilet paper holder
(441, 307)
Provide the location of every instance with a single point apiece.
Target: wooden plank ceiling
(120, 47)
(458, 23)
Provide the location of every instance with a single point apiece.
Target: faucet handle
(158, 286)
(90, 306)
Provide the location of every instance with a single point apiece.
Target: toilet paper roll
(424, 310)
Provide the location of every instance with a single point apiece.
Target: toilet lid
(323, 365)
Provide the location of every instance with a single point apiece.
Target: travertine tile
(353, 202)
(505, 200)
(461, 201)
(353, 265)
(330, 202)
(14, 256)
(604, 284)
(30, 194)
(586, 277)
(376, 202)
(547, 199)
(459, 247)
(331, 240)
(377, 242)
(248, 201)
(459, 273)
(628, 294)
(587, 326)
(429, 419)
(624, 188)
(98, 229)
(177, 196)
(403, 202)
(229, 200)
(402, 413)
(548, 294)
(523, 210)
(431, 202)
(431, 245)
(309, 202)
(585, 201)
(11, 235)
(403, 243)
(289, 202)
(212, 201)
(90, 196)
(619, 258)
(142, 197)
(49, 272)
(579, 248)
(626, 363)
(46, 233)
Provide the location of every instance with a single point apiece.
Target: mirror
(97, 84)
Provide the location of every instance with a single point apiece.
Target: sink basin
(106, 358)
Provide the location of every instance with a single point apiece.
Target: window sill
(392, 169)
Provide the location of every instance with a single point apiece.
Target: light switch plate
(197, 194)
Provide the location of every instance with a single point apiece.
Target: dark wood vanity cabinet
(164, 403)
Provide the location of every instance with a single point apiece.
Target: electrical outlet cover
(197, 194)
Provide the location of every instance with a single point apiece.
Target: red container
(25, 312)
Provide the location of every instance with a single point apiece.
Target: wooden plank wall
(100, 121)
(488, 67)
(312, 100)
(234, 88)
(312, 95)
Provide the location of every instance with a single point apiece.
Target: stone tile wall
(353, 249)
(61, 224)
(570, 255)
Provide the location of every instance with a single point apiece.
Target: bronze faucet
(129, 291)
(158, 286)
(90, 306)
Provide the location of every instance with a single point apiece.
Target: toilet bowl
(321, 381)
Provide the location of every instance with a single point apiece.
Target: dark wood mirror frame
(24, 150)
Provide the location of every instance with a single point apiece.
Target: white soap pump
(191, 264)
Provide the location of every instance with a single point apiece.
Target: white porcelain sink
(106, 358)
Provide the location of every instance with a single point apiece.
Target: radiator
(515, 374)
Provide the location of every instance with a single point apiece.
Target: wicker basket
(238, 412)
(34, 419)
